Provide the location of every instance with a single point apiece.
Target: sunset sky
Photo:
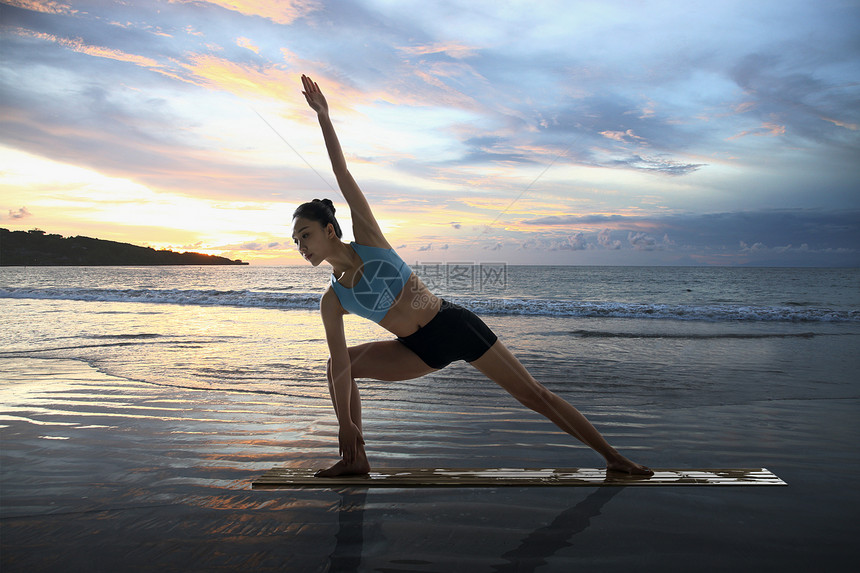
(546, 132)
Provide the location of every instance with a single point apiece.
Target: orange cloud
(845, 124)
(744, 107)
(78, 45)
(622, 136)
(278, 11)
(768, 128)
(239, 79)
(46, 7)
(454, 49)
(247, 44)
(278, 82)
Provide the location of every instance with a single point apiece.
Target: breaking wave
(487, 306)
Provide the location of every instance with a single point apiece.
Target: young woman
(369, 279)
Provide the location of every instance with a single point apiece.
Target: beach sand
(105, 474)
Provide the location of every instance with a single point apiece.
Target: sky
(607, 132)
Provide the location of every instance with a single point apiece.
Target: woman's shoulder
(330, 302)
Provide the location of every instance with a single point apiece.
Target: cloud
(768, 128)
(578, 242)
(799, 103)
(624, 136)
(575, 219)
(119, 147)
(78, 45)
(238, 78)
(247, 44)
(43, 6)
(493, 149)
(454, 49)
(21, 213)
(280, 12)
(605, 240)
(653, 164)
(820, 231)
(642, 242)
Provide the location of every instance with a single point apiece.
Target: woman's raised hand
(314, 96)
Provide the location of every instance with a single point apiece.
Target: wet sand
(104, 474)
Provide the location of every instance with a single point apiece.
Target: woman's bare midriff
(415, 306)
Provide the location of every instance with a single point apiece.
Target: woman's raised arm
(364, 225)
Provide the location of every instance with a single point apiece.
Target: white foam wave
(716, 312)
(211, 297)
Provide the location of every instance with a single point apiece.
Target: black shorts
(455, 333)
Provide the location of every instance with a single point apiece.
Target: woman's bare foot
(341, 468)
(622, 464)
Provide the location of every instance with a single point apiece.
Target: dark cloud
(612, 131)
(805, 231)
(653, 164)
(819, 229)
(576, 219)
(491, 149)
(799, 103)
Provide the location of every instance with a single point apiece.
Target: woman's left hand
(349, 439)
(314, 96)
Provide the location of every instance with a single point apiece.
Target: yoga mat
(518, 477)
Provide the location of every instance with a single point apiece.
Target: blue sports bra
(384, 274)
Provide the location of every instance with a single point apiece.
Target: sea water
(620, 342)
(678, 367)
(615, 335)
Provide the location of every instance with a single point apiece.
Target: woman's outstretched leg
(499, 365)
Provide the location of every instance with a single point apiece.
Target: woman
(369, 279)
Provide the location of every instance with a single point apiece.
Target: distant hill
(36, 248)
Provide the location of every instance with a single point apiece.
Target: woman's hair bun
(327, 203)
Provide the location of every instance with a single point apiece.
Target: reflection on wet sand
(532, 552)
(546, 541)
(349, 545)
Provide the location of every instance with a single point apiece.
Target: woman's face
(311, 239)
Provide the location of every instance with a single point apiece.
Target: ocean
(177, 385)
